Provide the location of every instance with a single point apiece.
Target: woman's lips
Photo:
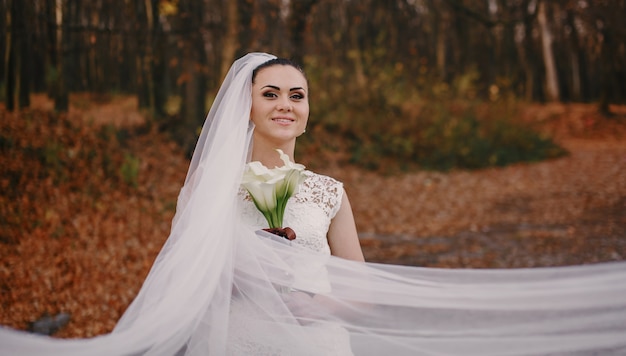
(283, 120)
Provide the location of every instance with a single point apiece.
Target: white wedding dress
(217, 287)
(309, 212)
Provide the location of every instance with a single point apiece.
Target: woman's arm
(344, 242)
(342, 234)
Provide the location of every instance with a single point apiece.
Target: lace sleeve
(323, 191)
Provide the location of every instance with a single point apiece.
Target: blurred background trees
(378, 69)
(88, 191)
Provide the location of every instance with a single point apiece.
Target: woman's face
(280, 104)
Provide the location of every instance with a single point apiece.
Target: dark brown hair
(277, 61)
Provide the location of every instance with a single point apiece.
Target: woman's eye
(297, 96)
(269, 94)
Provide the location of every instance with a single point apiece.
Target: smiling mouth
(283, 120)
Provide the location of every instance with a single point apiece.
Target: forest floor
(566, 211)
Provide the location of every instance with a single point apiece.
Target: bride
(222, 286)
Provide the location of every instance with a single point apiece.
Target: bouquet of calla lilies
(270, 189)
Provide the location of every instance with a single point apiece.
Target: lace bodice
(308, 212)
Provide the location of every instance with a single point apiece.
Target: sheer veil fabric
(219, 288)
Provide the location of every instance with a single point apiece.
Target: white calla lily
(288, 165)
(270, 189)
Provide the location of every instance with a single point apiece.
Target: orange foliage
(74, 235)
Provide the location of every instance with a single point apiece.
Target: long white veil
(219, 288)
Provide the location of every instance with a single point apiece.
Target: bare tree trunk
(576, 84)
(496, 33)
(441, 38)
(606, 58)
(193, 78)
(146, 63)
(26, 58)
(298, 14)
(230, 41)
(356, 55)
(531, 60)
(4, 39)
(552, 84)
(18, 58)
(10, 58)
(61, 97)
(574, 53)
(150, 57)
(160, 73)
(523, 58)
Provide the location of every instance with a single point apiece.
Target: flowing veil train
(211, 265)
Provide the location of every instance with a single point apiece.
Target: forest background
(468, 133)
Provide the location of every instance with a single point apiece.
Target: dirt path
(566, 211)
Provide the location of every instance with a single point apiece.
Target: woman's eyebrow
(277, 88)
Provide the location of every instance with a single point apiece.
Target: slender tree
(10, 60)
(4, 39)
(552, 83)
(297, 23)
(60, 92)
(230, 44)
(26, 54)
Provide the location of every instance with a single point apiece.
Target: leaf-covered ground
(78, 233)
(566, 211)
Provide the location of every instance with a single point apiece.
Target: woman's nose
(284, 105)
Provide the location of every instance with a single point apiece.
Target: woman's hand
(285, 232)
